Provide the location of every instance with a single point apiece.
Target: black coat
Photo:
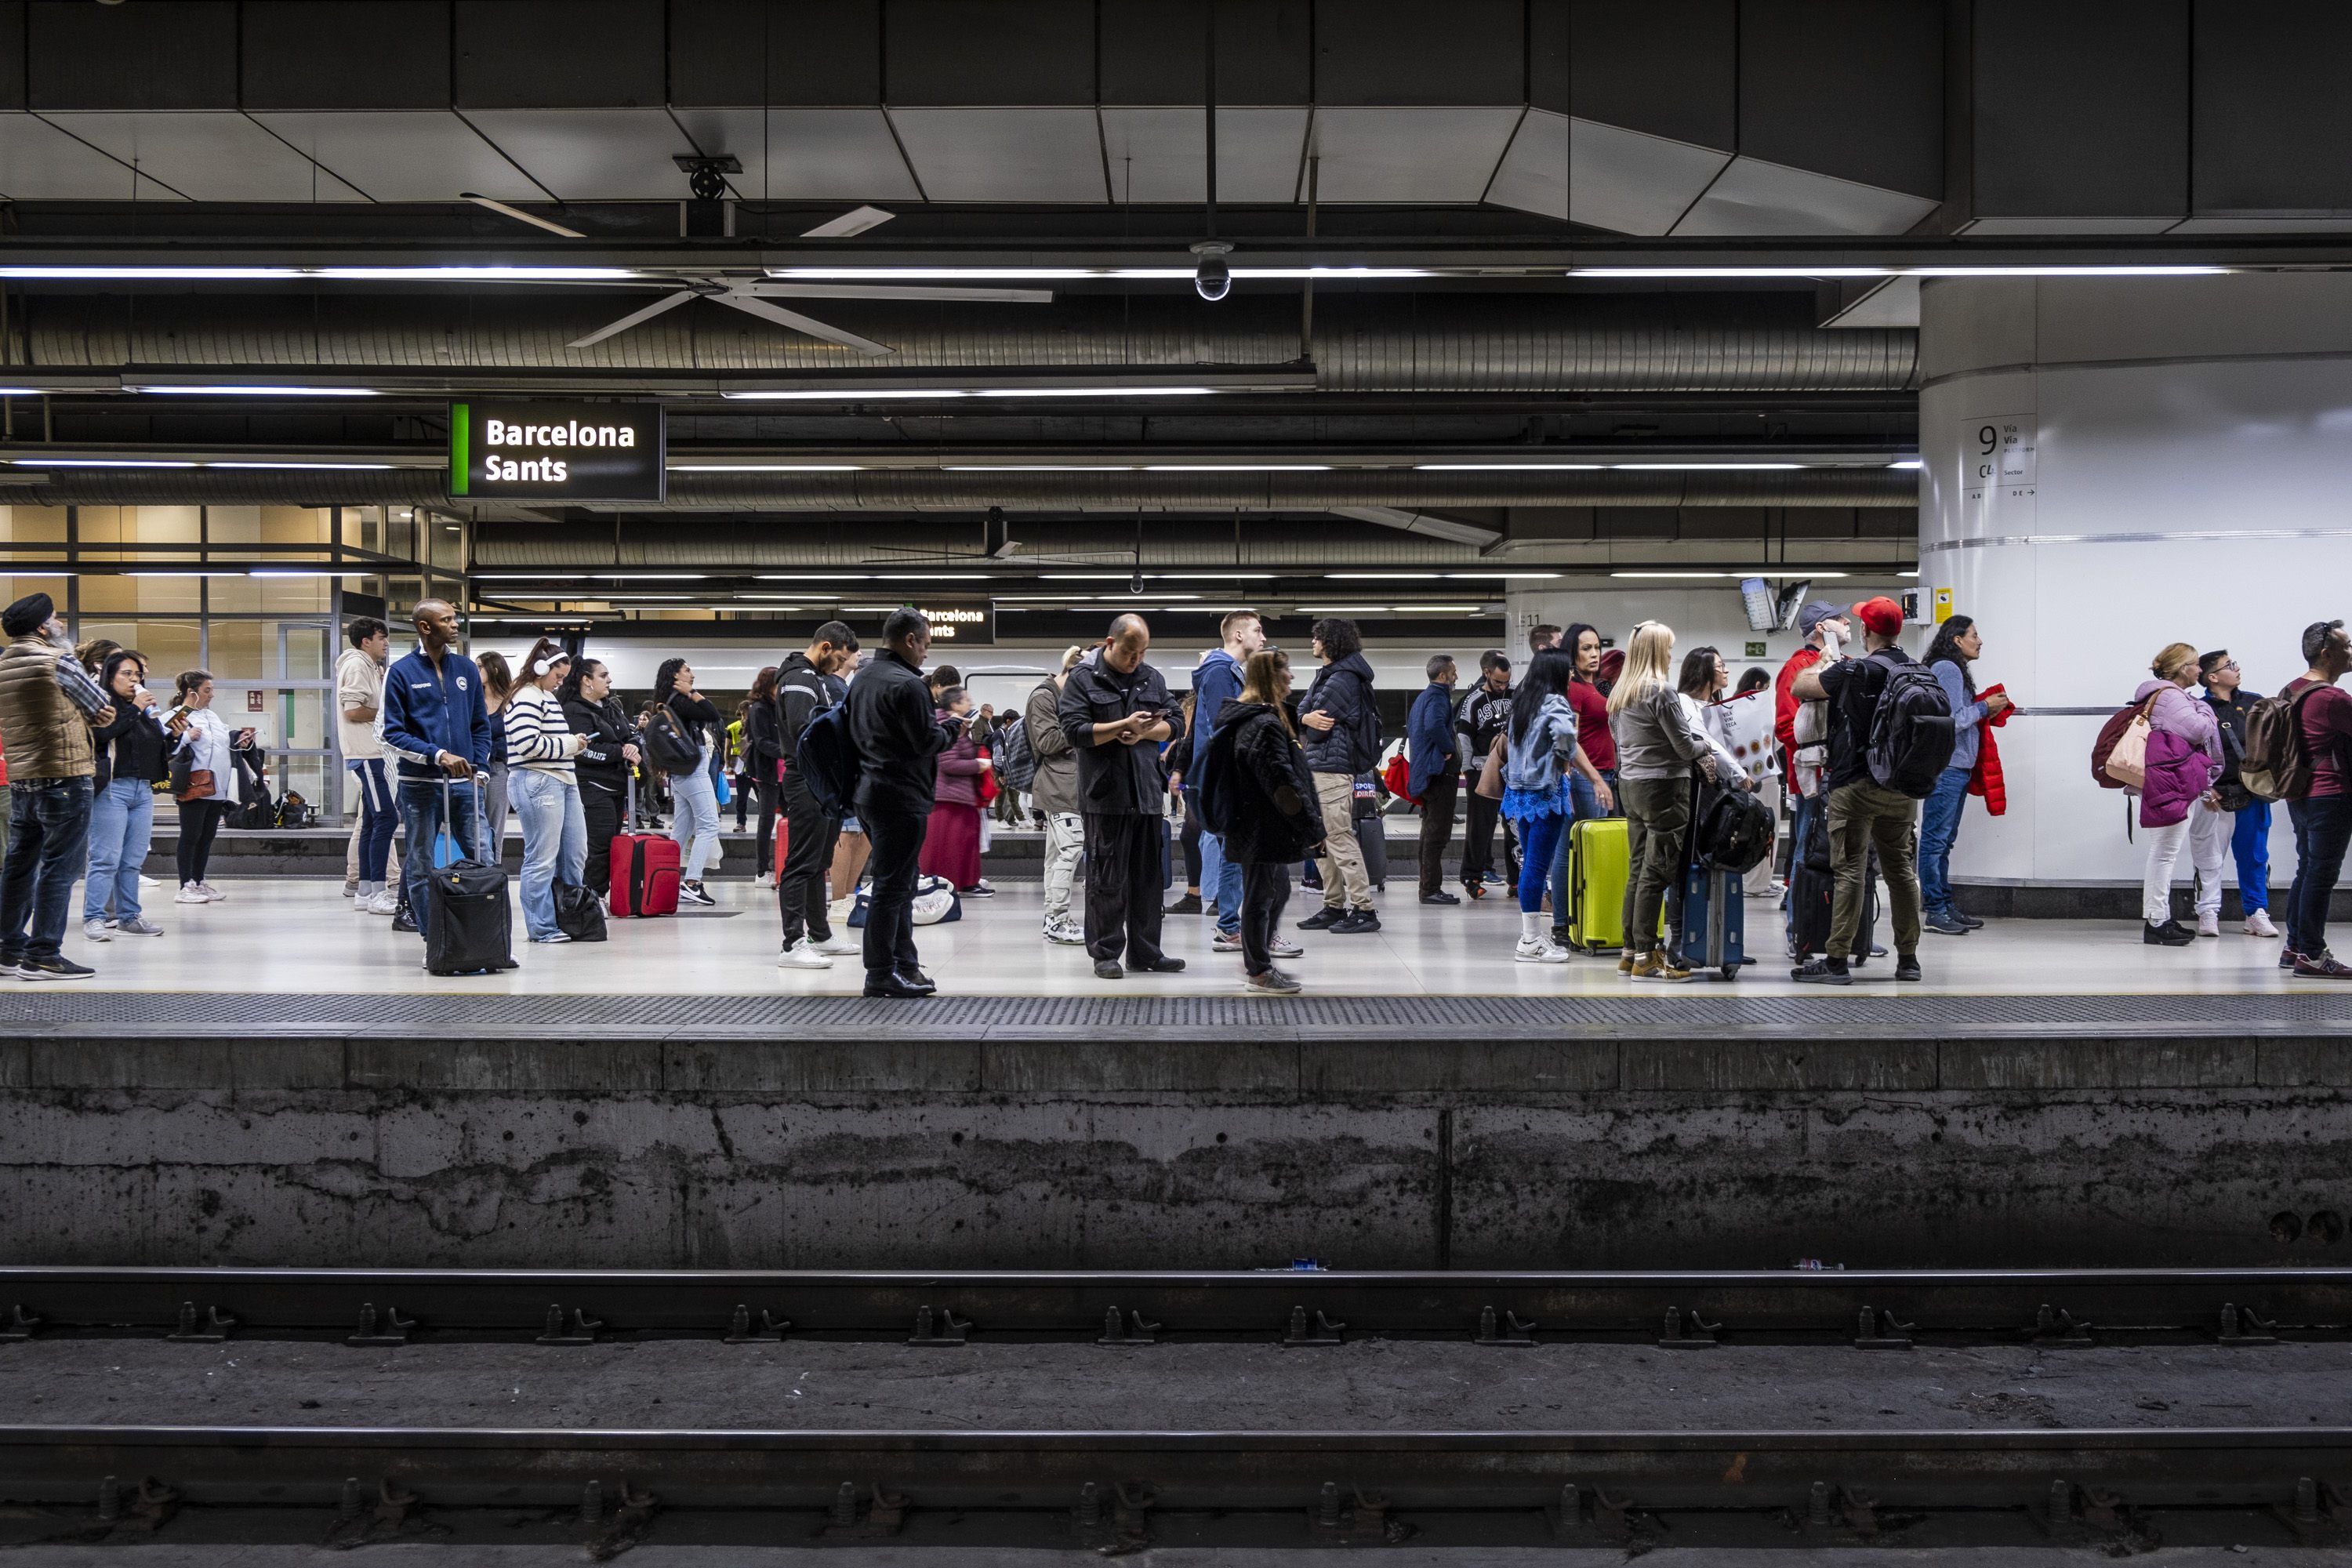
(1263, 787)
(133, 747)
(608, 729)
(898, 741)
(1115, 779)
(1343, 689)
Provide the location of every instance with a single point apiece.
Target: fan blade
(801, 323)
(777, 290)
(857, 220)
(635, 318)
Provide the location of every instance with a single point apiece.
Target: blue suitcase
(1715, 921)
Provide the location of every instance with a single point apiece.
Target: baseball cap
(1815, 612)
(1881, 615)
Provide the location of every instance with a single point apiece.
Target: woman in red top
(1592, 772)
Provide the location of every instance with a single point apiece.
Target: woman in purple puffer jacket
(2184, 757)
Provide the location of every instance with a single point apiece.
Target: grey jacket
(1055, 787)
(1656, 737)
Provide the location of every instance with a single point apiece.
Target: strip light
(356, 274)
(767, 467)
(1500, 467)
(244, 391)
(873, 393)
(1907, 463)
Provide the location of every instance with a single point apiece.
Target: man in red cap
(1864, 812)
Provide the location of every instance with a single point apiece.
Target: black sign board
(556, 451)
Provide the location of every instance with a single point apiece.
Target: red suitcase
(644, 871)
(783, 843)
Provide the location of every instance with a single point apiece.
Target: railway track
(1873, 1310)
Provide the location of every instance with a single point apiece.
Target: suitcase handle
(481, 820)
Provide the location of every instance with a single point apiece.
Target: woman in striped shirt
(544, 787)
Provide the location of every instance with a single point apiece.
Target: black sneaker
(2171, 933)
(1965, 918)
(53, 968)
(1439, 897)
(1822, 971)
(1907, 967)
(1323, 919)
(1190, 904)
(1163, 964)
(403, 922)
(1356, 922)
(1108, 969)
(1944, 923)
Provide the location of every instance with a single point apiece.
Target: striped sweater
(537, 736)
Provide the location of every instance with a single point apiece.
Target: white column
(2111, 465)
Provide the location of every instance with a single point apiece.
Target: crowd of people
(1878, 755)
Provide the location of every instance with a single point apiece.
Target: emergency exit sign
(556, 451)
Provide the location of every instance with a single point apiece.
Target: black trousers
(601, 808)
(199, 821)
(1124, 879)
(1437, 830)
(1265, 888)
(808, 851)
(766, 790)
(1478, 842)
(897, 840)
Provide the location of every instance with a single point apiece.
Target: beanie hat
(27, 615)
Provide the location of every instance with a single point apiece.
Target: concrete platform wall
(1576, 1153)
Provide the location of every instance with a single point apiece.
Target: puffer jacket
(2184, 753)
(1343, 689)
(47, 736)
(958, 780)
(1266, 790)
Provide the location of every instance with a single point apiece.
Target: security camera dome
(1212, 279)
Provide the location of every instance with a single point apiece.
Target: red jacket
(1784, 700)
(1986, 781)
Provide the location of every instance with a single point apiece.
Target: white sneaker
(553, 937)
(384, 903)
(190, 893)
(215, 894)
(2259, 924)
(1066, 934)
(96, 930)
(838, 945)
(1538, 949)
(764, 879)
(2209, 925)
(1283, 947)
(138, 928)
(802, 954)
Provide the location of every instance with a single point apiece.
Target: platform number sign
(1998, 459)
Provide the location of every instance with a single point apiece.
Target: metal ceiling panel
(209, 156)
(1410, 155)
(1004, 155)
(405, 154)
(812, 154)
(1752, 197)
(2332, 223)
(40, 163)
(2070, 225)
(591, 155)
(1604, 175)
(1259, 152)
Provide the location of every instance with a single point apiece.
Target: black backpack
(825, 759)
(668, 746)
(1911, 735)
(1736, 833)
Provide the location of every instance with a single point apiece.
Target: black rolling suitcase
(469, 922)
(1812, 903)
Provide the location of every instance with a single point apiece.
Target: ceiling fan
(752, 296)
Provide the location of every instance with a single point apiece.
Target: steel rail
(1872, 1308)
(295, 1467)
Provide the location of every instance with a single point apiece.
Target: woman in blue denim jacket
(1541, 740)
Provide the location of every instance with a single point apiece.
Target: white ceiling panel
(1259, 152)
(209, 156)
(814, 155)
(593, 154)
(405, 154)
(40, 163)
(1752, 197)
(1412, 155)
(1004, 155)
(2032, 226)
(1601, 174)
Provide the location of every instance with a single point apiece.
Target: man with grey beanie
(48, 703)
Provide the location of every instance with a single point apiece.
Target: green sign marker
(460, 442)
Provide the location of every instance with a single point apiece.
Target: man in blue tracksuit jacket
(436, 723)
(1217, 682)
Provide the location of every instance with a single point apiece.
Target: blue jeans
(1803, 814)
(48, 835)
(694, 822)
(378, 816)
(1220, 880)
(2323, 826)
(420, 815)
(554, 843)
(1939, 829)
(2250, 846)
(1541, 837)
(121, 826)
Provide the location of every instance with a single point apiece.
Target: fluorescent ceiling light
(301, 572)
(1907, 574)
(1505, 576)
(871, 394)
(99, 463)
(1783, 572)
(1040, 468)
(814, 577)
(932, 576)
(1437, 609)
(144, 572)
(243, 391)
(22, 391)
(1907, 463)
(766, 467)
(1343, 609)
(1691, 576)
(1716, 467)
(1382, 576)
(1094, 391)
(1055, 274)
(336, 468)
(1237, 467)
(363, 274)
(1497, 467)
(1920, 270)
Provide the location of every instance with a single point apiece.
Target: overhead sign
(971, 623)
(556, 451)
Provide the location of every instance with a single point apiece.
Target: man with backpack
(1890, 736)
(2317, 787)
(808, 681)
(2239, 818)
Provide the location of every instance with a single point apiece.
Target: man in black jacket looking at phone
(1114, 709)
(898, 741)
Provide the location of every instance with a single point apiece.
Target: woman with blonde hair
(1657, 744)
(2184, 757)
